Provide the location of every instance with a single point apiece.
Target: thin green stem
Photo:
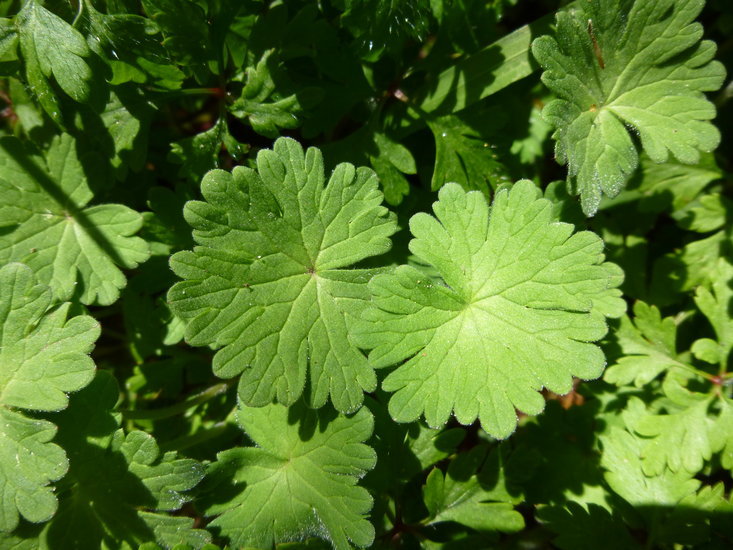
(178, 408)
(200, 436)
(695, 371)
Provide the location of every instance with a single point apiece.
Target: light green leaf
(722, 433)
(76, 250)
(43, 356)
(53, 48)
(621, 458)
(648, 344)
(673, 184)
(518, 310)
(715, 303)
(618, 63)
(300, 479)
(271, 280)
(676, 439)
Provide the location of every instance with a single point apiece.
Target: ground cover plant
(366, 274)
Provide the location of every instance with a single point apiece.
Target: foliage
(306, 275)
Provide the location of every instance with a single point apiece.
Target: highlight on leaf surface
(271, 282)
(43, 356)
(618, 65)
(76, 250)
(519, 303)
(300, 480)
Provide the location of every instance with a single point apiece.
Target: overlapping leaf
(269, 281)
(299, 481)
(618, 63)
(522, 301)
(43, 357)
(76, 250)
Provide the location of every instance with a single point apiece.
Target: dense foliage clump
(366, 273)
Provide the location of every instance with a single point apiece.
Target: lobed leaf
(520, 304)
(43, 357)
(627, 63)
(77, 250)
(300, 479)
(270, 282)
(52, 48)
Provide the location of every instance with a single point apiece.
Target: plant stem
(178, 408)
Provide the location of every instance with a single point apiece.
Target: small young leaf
(270, 281)
(522, 301)
(264, 107)
(463, 156)
(615, 63)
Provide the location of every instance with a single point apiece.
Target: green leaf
(648, 344)
(673, 184)
(184, 25)
(475, 77)
(382, 24)
(522, 301)
(622, 461)
(264, 106)
(300, 479)
(131, 46)
(118, 484)
(8, 47)
(53, 48)
(43, 356)
(715, 303)
(672, 273)
(271, 281)
(618, 63)
(678, 439)
(391, 161)
(463, 156)
(76, 250)
(200, 153)
(472, 493)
